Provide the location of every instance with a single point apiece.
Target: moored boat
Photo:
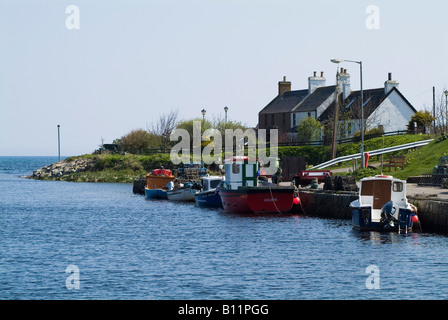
(242, 194)
(187, 182)
(208, 196)
(182, 193)
(156, 183)
(382, 205)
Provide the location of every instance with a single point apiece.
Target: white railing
(373, 153)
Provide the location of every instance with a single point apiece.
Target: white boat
(382, 205)
(182, 193)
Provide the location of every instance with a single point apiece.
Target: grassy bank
(127, 168)
(113, 168)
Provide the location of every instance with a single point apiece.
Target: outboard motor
(388, 220)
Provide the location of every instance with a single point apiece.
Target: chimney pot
(390, 76)
(314, 73)
(321, 74)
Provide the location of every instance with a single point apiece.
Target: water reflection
(376, 237)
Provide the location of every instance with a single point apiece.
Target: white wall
(393, 113)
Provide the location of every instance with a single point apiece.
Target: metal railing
(373, 153)
(344, 140)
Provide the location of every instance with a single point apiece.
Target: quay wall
(432, 212)
(327, 204)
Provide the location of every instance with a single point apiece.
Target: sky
(128, 62)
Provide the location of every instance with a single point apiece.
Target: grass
(422, 160)
(127, 168)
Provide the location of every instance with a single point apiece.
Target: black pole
(434, 106)
(59, 144)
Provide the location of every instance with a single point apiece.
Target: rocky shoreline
(63, 168)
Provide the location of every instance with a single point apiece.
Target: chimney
(284, 86)
(344, 82)
(389, 84)
(315, 82)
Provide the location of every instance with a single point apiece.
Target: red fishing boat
(242, 193)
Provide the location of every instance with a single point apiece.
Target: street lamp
(336, 113)
(225, 110)
(59, 143)
(446, 107)
(362, 106)
(203, 113)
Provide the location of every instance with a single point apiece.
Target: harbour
(129, 247)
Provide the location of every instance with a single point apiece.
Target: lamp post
(203, 111)
(446, 108)
(362, 106)
(59, 144)
(336, 113)
(225, 110)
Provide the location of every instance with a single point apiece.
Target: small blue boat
(155, 193)
(209, 194)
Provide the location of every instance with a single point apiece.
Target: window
(397, 187)
(236, 168)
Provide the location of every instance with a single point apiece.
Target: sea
(100, 241)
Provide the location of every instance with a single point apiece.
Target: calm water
(126, 247)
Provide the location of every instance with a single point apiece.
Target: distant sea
(65, 240)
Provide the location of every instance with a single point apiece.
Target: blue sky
(131, 61)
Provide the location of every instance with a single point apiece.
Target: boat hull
(210, 199)
(181, 194)
(155, 193)
(275, 199)
(361, 220)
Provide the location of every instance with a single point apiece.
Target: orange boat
(156, 183)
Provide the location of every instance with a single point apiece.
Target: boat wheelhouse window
(397, 187)
(235, 168)
(214, 183)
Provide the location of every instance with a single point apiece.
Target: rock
(59, 169)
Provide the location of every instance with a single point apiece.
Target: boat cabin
(377, 191)
(240, 171)
(211, 182)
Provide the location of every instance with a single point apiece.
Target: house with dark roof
(384, 107)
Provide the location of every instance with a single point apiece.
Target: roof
(285, 102)
(351, 105)
(315, 99)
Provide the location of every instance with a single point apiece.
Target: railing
(345, 140)
(373, 153)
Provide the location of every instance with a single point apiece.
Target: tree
(137, 141)
(164, 127)
(309, 129)
(422, 118)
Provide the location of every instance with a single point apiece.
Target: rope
(272, 197)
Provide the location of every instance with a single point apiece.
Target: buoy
(414, 218)
(296, 200)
